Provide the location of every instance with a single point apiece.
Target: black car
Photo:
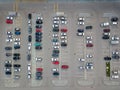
(29, 38)
(29, 16)
(29, 57)
(56, 51)
(8, 65)
(55, 29)
(16, 58)
(8, 72)
(16, 54)
(39, 21)
(38, 47)
(16, 65)
(107, 58)
(55, 54)
(80, 30)
(38, 40)
(8, 48)
(63, 44)
(8, 54)
(38, 33)
(88, 27)
(106, 37)
(38, 75)
(56, 73)
(38, 26)
(114, 19)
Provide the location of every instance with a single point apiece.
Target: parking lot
(77, 65)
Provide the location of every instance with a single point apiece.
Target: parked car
(29, 38)
(8, 48)
(88, 27)
(107, 58)
(29, 16)
(29, 57)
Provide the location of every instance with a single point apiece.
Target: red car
(106, 30)
(89, 45)
(38, 30)
(64, 66)
(63, 30)
(55, 62)
(39, 69)
(8, 21)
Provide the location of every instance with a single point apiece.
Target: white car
(114, 23)
(9, 40)
(54, 59)
(29, 75)
(55, 35)
(9, 33)
(56, 18)
(9, 17)
(29, 46)
(16, 43)
(81, 19)
(80, 34)
(38, 59)
(63, 37)
(89, 37)
(55, 69)
(16, 39)
(56, 43)
(39, 17)
(115, 52)
(106, 34)
(114, 42)
(29, 21)
(89, 41)
(115, 76)
(56, 47)
(89, 56)
(9, 36)
(55, 26)
(81, 23)
(115, 38)
(64, 22)
(81, 59)
(55, 21)
(89, 67)
(64, 41)
(29, 67)
(17, 69)
(63, 34)
(105, 24)
(81, 67)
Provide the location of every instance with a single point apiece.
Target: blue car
(16, 46)
(17, 32)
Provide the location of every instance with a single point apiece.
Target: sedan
(29, 38)
(64, 30)
(106, 30)
(89, 45)
(107, 58)
(8, 48)
(64, 66)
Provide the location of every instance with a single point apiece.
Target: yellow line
(55, 7)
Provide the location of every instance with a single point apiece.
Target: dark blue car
(17, 32)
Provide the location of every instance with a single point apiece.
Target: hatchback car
(29, 38)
